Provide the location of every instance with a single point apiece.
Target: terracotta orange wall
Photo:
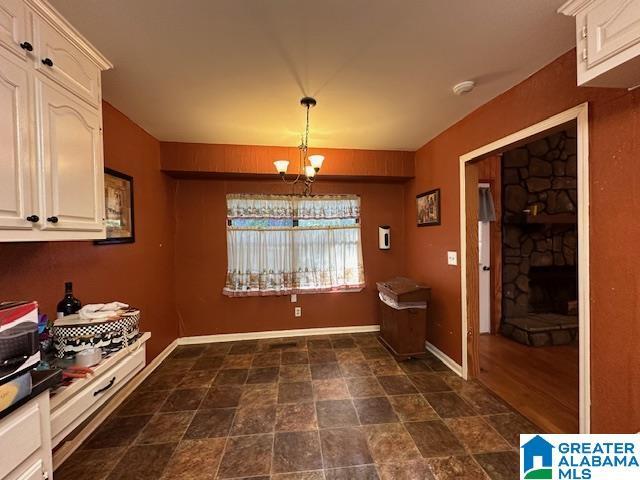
(201, 261)
(141, 273)
(614, 142)
(200, 158)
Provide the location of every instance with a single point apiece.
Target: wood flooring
(541, 383)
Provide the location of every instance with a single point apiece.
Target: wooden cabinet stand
(404, 331)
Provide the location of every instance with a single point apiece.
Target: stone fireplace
(553, 289)
(539, 236)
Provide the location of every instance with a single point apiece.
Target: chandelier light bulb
(309, 171)
(281, 166)
(316, 161)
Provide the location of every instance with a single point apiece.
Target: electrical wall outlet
(452, 258)
(294, 298)
(298, 311)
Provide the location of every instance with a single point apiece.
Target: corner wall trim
(299, 332)
(444, 358)
(67, 448)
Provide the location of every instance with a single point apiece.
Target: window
(282, 244)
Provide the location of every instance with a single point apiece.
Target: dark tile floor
(330, 407)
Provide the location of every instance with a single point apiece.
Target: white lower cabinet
(35, 472)
(51, 165)
(71, 408)
(25, 442)
(82, 406)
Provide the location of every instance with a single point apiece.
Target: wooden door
(16, 174)
(70, 137)
(473, 299)
(611, 26)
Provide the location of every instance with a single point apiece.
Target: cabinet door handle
(52, 219)
(33, 218)
(48, 62)
(106, 387)
(26, 46)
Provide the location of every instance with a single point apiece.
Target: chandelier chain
(303, 155)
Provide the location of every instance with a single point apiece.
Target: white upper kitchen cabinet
(65, 64)
(51, 158)
(16, 155)
(71, 143)
(608, 41)
(13, 28)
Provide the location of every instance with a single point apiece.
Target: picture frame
(118, 206)
(428, 208)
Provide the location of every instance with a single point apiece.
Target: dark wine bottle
(69, 304)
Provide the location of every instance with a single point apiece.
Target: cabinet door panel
(70, 67)
(612, 26)
(12, 26)
(15, 155)
(16, 446)
(72, 158)
(34, 472)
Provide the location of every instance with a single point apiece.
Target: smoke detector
(464, 87)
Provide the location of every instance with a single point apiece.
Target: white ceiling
(233, 71)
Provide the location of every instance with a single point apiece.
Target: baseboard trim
(299, 332)
(444, 358)
(67, 448)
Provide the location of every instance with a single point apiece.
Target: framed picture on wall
(428, 206)
(118, 206)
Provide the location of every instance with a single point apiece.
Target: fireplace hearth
(540, 241)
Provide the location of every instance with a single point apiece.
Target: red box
(19, 347)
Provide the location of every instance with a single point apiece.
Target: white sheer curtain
(277, 245)
(260, 262)
(328, 259)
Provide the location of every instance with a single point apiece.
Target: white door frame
(580, 114)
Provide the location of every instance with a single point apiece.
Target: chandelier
(307, 172)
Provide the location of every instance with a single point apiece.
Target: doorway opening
(486, 215)
(526, 310)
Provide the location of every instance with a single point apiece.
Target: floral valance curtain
(295, 207)
(277, 245)
(259, 206)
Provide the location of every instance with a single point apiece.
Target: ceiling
(233, 71)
